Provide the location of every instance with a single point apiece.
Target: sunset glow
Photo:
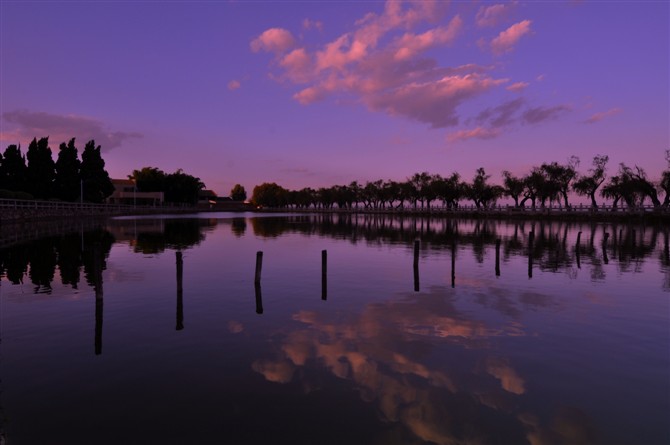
(322, 93)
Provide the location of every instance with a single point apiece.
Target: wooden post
(180, 291)
(579, 237)
(324, 275)
(417, 244)
(259, 266)
(498, 257)
(634, 240)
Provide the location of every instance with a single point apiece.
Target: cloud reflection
(398, 354)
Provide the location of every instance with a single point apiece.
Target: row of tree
(37, 175)
(543, 185)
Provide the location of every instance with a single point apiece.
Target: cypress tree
(67, 181)
(13, 169)
(97, 185)
(41, 169)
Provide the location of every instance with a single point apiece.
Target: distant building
(125, 193)
(206, 198)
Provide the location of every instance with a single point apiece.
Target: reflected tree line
(554, 246)
(74, 254)
(543, 185)
(558, 246)
(82, 255)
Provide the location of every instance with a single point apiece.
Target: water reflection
(390, 352)
(490, 356)
(549, 246)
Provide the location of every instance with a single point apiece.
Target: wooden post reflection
(259, 298)
(498, 257)
(259, 266)
(577, 250)
(324, 275)
(531, 239)
(180, 291)
(453, 263)
(416, 265)
(97, 284)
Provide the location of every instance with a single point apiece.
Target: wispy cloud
(59, 128)
(475, 133)
(312, 24)
(234, 85)
(503, 115)
(517, 87)
(541, 114)
(597, 117)
(506, 40)
(492, 15)
(492, 121)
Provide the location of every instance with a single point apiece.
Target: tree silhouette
(41, 169)
(67, 180)
(665, 180)
(149, 179)
(237, 193)
(182, 188)
(513, 186)
(481, 193)
(560, 177)
(96, 182)
(13, 169)
(269, 195)
(587, 185)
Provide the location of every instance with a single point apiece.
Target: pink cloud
(434, 102)
(298, 65)
(506, 40)
(410, 45)
(517, 87)
(234, 84)
(381, 63)
(492, 15)
(475, 133)
(60, 128)
(274, 40)
(597, 117)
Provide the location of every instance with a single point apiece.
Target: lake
(152, 330)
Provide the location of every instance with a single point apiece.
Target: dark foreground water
(151, 331)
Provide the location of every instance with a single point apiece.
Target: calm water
(152, 331)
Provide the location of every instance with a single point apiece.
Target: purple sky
(312, 93)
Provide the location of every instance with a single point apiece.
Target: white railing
(19, 204)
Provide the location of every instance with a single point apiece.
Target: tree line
(36, 175)
(541, 186)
